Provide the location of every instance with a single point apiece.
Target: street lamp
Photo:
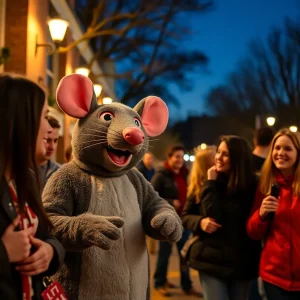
(186, 157)
(57, 28)
(271, 121)
(203, 146)
(82, 71)
(293, 128)
(192, 158)
(107, 100)
(97, 89)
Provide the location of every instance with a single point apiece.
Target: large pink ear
(75, 95)
(154, 113)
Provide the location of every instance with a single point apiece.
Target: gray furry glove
(169, 225)
(99, 230)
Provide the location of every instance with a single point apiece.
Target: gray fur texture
(91, 135)
(101, 210)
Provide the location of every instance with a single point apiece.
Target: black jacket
(10, 283)
(228, 253)
(164, 183)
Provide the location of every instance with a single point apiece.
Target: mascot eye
(137, 122)
(106, 116)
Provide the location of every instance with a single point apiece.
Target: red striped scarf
(28, 219)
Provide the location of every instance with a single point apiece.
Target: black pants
(274, 292)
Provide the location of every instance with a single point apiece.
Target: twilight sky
(223, 34)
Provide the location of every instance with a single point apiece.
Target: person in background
(262, 140)
(204, 160)
(47, 165)
(27, 251)
(226, 258)
(146, 166)
(191, 218)
(280, 258)
(171, 183)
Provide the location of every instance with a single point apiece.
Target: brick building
(23, 25)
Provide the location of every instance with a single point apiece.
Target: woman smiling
(280, 259)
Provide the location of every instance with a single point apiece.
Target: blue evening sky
(223, 34)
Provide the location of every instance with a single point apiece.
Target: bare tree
(137, 43)
(267, 80)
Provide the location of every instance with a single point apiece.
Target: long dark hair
(241, 173)
(21, 105)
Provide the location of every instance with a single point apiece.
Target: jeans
(274, 292)
(164, 252)
(218, 289)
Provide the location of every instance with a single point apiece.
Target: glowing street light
(293, 128)
(192, 158)
(83, 71)
(186, 157)
(58, 29)
(271, 121)
(97, 89)
(107, 100)
(203, 146)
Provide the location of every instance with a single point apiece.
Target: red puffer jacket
(280, 258)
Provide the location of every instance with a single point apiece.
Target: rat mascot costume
(101, 207)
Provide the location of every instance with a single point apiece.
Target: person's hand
(269, 204)
(176, 204)
(39, 261)
(209, 225)
(17, 243)
(212, 173)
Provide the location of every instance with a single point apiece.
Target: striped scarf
(28, 219)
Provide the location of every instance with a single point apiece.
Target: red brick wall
(16, 35)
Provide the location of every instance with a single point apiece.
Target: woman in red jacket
(280, 259)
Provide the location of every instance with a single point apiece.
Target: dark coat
(148, 174)
(164, 183)
(10, 283)
(228, 253)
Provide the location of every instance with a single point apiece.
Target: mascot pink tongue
(100, 205)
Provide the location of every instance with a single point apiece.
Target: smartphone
(275, 190)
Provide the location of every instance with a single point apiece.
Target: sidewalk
(173, 277)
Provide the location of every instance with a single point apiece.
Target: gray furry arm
(65, 197)
(151, 204)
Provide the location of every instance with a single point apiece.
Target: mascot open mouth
(118, 157)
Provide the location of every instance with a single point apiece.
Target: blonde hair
(268, 170)
(199, 171)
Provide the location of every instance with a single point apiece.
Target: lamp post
(186, 157)
(58, 28)
(271, 121)
(107, 100)
(97, 89)
(83, 71)
(293, 128)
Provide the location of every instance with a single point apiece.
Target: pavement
(173, 276)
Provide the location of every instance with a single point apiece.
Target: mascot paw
(100, 231)
(169, 225)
